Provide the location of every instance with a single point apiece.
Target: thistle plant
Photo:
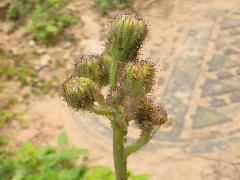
(130, 80)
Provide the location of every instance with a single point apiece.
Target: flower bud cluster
(135, 79)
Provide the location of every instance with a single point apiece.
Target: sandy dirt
(176, 28)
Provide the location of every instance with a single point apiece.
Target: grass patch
(45, 20)
(17, 67)
(46, 162)
(21, 68)
(6, 113)
(108, 5)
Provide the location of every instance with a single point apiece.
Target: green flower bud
(149, 115)
(96, 68)
(80, 92)
(126, 37)
(106, 62)
(89, 67)
(138, 79)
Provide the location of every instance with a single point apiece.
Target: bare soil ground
(177, 28)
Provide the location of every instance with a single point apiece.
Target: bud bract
(126, 37)
(88, 67)
(149, 115)
(80, 92)
(138, 78)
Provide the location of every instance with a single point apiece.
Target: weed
(47, 162)
(48, 19)
(130, 81)
(6, 113)
(107, 5)
(19, 9)
(20, 67)
(17, 67)
(45, 86)
(31, 162)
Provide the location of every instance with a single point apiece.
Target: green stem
(104, 111)
(120, 159)
(119, 156)
(101, 100)
(144, 138)
(113, 75)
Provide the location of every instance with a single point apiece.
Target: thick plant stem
(120, 159)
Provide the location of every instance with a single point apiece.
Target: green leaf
(52, 28)
(45, 151)
(69, 154)
(75, 173)
(49, 162)
(82, 152)
(63, 139)
(41, 35)
(20, 174)
(3, 140)
(131, 176)
(100, 173)
(27, 148)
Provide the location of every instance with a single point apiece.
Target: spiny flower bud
(80, 92)
(114, 97)
(130, 105)
(88, 67)
(126, 37)
(149, 115)
(106, 62)
(138, 78)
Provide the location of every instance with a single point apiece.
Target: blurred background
(196, 45)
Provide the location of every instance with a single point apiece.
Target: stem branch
(144, 138)
(104, 111)
(113, 75)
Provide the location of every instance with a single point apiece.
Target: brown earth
(170, 24)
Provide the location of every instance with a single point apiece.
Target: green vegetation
(105, 173)
(13, 68)
(17, 67)
(48, 19)
(7, 103)
(3, 141)
(107, 5)
(19, 9)
(130, 80)
(48, 22)
(20, 70)
(6, 113)
(31, 162)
